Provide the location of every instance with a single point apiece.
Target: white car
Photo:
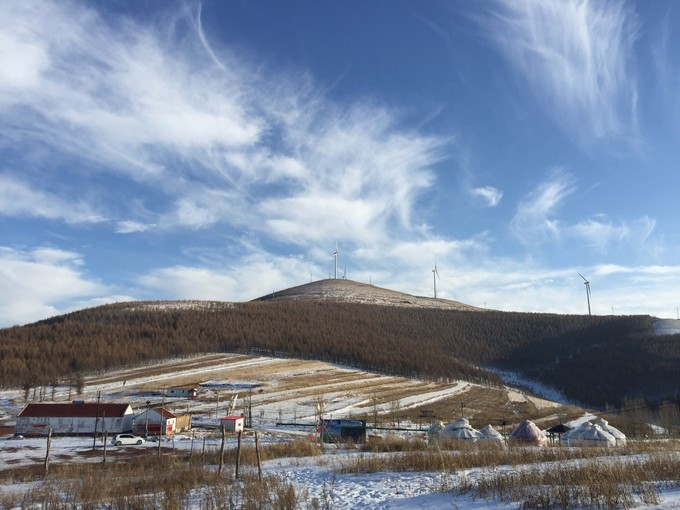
(121, 439)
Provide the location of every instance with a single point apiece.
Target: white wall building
(183, 392)
(74, 418)
(232, 423)
(154, 420)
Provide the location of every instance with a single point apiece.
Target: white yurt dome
(619, 436)
(433, 432)
(460, 429)
(491, 434)
(589, 434)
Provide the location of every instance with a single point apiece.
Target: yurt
(491, 434)
(527, 433)
(619, 436)
(433, 432)
(461, 430)
(588, 434)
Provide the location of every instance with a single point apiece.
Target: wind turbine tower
(335, 256)
(435, 275)
(587, 284)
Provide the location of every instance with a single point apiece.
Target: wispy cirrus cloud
(130, 227)
(204, 134)
(536, 218)
(600, 231)
(577, 56)
(492, 196)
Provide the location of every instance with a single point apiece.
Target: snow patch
(667, 327)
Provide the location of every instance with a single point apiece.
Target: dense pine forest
(596, 360)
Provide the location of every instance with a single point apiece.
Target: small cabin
(182, 392)
(334, 431)
(155, 421)
(232, 423)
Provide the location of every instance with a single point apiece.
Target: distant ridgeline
(591, 359)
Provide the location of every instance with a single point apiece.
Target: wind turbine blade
(584, 278)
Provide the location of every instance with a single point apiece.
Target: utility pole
(96, 421)
(146, 426)
(160, 424)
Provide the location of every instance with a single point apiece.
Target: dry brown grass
(166, 482)
(537, 477)
(609, 483)
(393, 444)
(455, 455)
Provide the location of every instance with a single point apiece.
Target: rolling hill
(595, 360)
(349, 291)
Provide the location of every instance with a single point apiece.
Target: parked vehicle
(122, 439)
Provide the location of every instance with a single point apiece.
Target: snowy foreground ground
(313, 477)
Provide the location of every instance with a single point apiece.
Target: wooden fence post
(257, 454)
(219, 469)
(238, 453)
(47, 452)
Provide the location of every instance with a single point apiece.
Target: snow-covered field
(313, 477)
(667, 326)
(282, 390)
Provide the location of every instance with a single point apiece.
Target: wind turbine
(435, 275)
(587, 284)
(335, 256)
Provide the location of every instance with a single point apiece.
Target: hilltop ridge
(350, 291)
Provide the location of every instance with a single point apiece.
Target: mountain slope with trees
(596, 360)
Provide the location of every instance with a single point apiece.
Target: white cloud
(491, 195)
(113, 91)
(40, 283)
(20, 73)
(535, 216)
(220, 141)
(253, 276)
(537, 220)
(19, 199)
(600, 232)
(129, 227)
(577, 56)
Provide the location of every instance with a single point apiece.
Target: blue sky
(219, 150)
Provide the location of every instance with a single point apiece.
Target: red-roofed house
(152, 421)
(74, 418)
